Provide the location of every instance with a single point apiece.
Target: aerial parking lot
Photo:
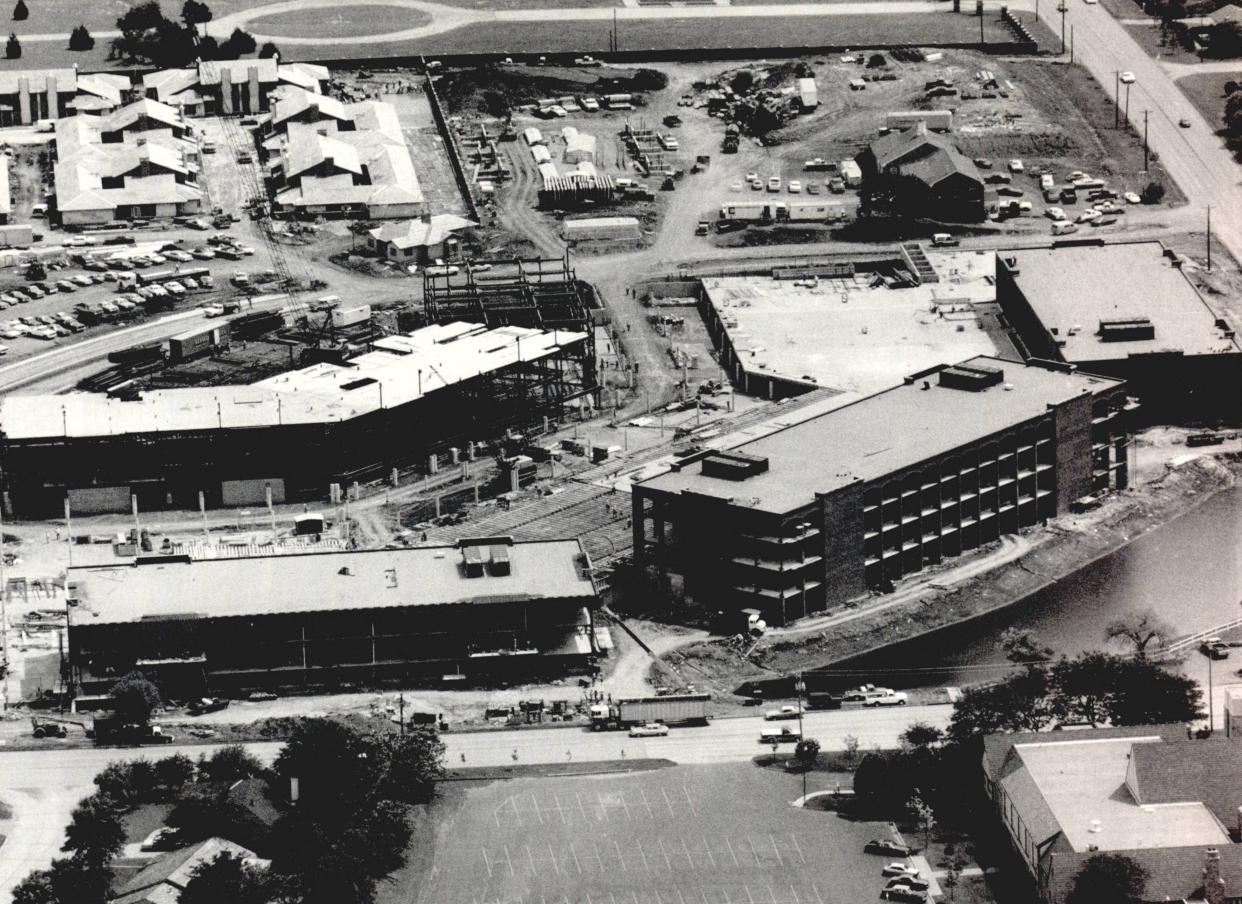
(684, 835)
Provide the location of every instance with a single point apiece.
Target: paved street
(43, 786)
(1195, 156)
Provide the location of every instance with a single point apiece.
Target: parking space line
(749, 896)
(531, 857)
(815, 888)
(625, 805)
(771, 894)
(556, 866)
(557, 797)
(690, 801)
(727, 899)
(680, 895)
(753, 852)
(685, 847)
(708, 848)
(780, 861)
(643, 854)
(646, 803)
(603, 811)
(668, 803)
(797, 898)
(620, 856)
(731, 854)
(487, 860)
(797, 847)
(663, 850)
(580, 809)
(534, 800)
(598, 859)
(509, 860)
(577, 863)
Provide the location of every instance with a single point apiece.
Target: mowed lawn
(683, 834)
(1207, 93)
(943, 27)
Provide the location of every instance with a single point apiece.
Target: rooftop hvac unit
(473, 557)
(501, 564)
(972, 378)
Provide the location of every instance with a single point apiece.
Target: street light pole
(1116, 98)
(1145, 151)
(800, 687)
(1211, 712)
(1063, 27)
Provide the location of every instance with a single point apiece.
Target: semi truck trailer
(679, 709)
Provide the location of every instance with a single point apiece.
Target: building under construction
(295, 435)
(537, 293)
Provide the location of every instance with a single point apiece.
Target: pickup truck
(944, 240)
(784, 735)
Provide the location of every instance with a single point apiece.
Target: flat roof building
(830, 507)
(1146, 792)
(848, 332)
(292, 434)
(1125, 310)
(478, 608)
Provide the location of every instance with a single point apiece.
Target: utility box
(342, 317)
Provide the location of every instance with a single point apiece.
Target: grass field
(1207, 93)
(342, 22)
(685, 834)
(592, 37)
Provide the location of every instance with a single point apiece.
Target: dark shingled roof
(1208, 770)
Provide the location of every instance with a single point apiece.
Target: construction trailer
(808, 94)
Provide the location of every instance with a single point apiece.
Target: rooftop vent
(473, 557)
(501, 565)
(733, 465)
(970, 377)
(1126, 329)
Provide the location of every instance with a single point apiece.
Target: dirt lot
(653, 837)
(1207, 93)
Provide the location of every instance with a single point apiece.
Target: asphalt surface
(43, 786)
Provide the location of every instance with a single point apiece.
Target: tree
(1082, 687)
(195, 13)
(94, 833)
(849, 744)
(226, 878)
(1017, 703)
(921, 736)
(228, 764)
(127, 782)
(1225, 41)
(1108, 879)
(69, 880)
(1023, 647)
(807, 752)
(742, 82)
(495, 104)
(174, 771)
(922, 815)
(239, 44)
(134, 698)
(146, 35)
(871, 778)
(13, 50)
(1230, 87)
(1147, 694)
(81, 39)
(20, 12)
(1153, 193)
(268, 50)
(1139, 629)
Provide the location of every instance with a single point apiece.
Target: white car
(774, 183)
(752, 176)
(1132, 198)
(213, 310)
(736, 186)
(1055, 213)
(83, 280)
(1015, 166)
(11, 333)
(182, 256)
(896, 698)
(1088, 215)
(650, 730)
(1127, 78)
(157, 258)
(795, 187)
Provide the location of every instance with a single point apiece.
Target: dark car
(914, 883)
(887, 848)
(906, 895)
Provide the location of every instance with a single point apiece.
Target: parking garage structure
(481, 610)
(1127, 311)
(837, 505)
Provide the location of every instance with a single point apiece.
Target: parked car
(795, 187)
(82, 280)
(785, 712)
(899, 698)
(774, 183)
(865, 692)
(1127, 78)
(913, 882)
(1015, 166)
(887, 847)
(1132, 198)
(898, 868)
(1214, 648)
(650, 730)
(904, 895)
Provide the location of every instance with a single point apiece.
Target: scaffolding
(540, 293)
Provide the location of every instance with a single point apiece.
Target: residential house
(166, 878)
(418, 241)
(926, 174)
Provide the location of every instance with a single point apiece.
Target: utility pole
(1211, 711)
(1063, 28)
(1127, 106)
(1209, 263)
(800, 687)
(1145, 151)
(1116, 98)
(1071, 45)
(401, 711)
